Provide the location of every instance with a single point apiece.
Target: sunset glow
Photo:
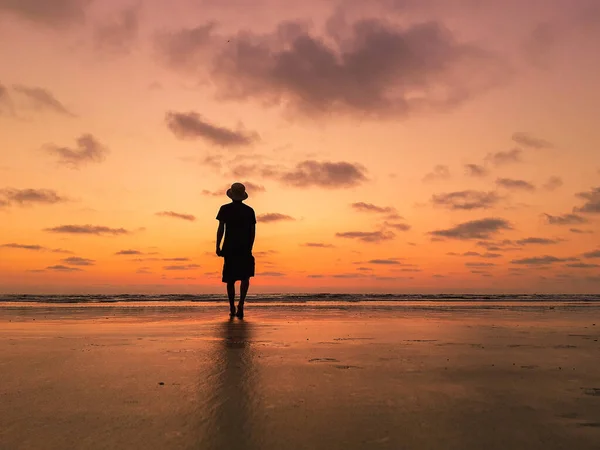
(407, 146)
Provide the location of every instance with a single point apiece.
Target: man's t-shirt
(239, 219)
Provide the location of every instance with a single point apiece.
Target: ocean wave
(298, 298)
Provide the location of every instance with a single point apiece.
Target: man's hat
(237, 192)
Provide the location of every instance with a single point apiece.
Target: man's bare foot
(240, 312)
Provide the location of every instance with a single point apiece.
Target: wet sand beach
(299, 377)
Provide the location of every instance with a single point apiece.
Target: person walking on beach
(237, 222)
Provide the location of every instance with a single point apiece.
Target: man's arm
(252, 235)
(220, 232)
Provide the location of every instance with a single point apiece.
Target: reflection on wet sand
(233, 377)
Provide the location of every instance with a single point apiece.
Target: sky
(386, 146)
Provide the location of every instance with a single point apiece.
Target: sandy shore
(301, 378)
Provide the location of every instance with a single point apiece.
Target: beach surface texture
(327, 375)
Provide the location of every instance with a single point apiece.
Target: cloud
(315, 276)
(369, 207)
(565, 219)
(28, 197)
(33, 247)
(498, 246)
(191, 125)
(480, 255)
(77, 261)
(440, 172)
(466, 200)
(593, 254)
(272, 274)
(503, 158)
(61, 268)
(251, 188)
(88, 150)
(324, 174)
(368, 236)
(385, 262)
(479, 264)
(181, 267)
(185, 48)
(55, 13)
(129, 252)
(581, 265)
(536, 240)
(397, 226)
(476, 170)
(474, 229)
(540, 260)
(592, 204)
(527, 140)
(98, 230)
(6, 106)
(118, 33)
(553, 183)
(512, 184)
(318, 245)
(273, 217)
(43, 99)
(349, 275)
(579, 231)
(368, 68)
(175, 215)
(179, 259)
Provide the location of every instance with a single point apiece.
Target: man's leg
(231, 296)
(244, 285)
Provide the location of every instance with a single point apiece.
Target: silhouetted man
(238, 222)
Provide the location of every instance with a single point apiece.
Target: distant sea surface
(302, 298)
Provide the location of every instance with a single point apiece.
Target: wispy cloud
(565, 219)
(553, 183)
(371, 208)
(181, 267)
(118, 33)
(28, 197)
(581, 265)
(397, 226)
(274, 217)
(541, 260)
(34, 247)
(506, 157)
(474, 229)
(318, 245)
(527, 140)
(592, 201)
(174, 215)
(466, 200)
(516, 185)
(55, 13)
(368, 236)
(580, 231)
(43, 99)
(440, 172)
(538, 241)
(88, 150)
(190, 125)
(324, 174)
(62, 268)
(592, 254)
(392, 261)
(77, 261)
(476, 170)
(98, 230)
(129, 252)
(6, 105)
(272, 274)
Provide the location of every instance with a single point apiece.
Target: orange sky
(399, 146)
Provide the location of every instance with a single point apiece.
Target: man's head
(237, 192)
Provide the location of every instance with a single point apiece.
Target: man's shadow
(234, 400)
